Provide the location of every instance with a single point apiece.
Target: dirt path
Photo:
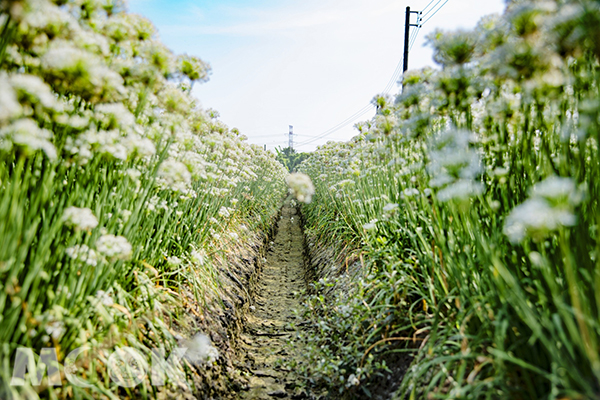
(263, 343)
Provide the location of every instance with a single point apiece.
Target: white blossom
(27, 135)
(35, 91)
(124, 215)
(371, 225)
(410, 192)
(535, 217)
(224, 212)
(55, 329)
(80, 218)
(390, 207)
(352, 381)
(9, 106)
(114, 115)
(558, 190)
(92, 41)
(136, 144)
(452, 158)
(45, 16)
(108, 143)
(77, 122)
(104, 298)
(174, 261)
(198, 256)
(453, 48)
(114, 247)
(454, 166)
(551, 206)
(235, 236)
(461, 189)
(301, 186)
(84, 254)
(133, 174)
(174, 175)
(81, 72)
(67, 58)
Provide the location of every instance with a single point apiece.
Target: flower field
(454, 241)
(468, 213)
(120, 197)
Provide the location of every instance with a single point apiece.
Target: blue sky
(310, 64)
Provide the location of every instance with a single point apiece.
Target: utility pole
(291, 142)
(407, 26)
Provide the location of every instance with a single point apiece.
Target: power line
(436, 11)
(426, 13)
(395, 75)
(420, 22)
(278, 136)
(357, 114)
(425, 8)
(267, 136)
(306, 136)
(416, 33)
(398, 70)
(339, 126)
(413, 37)
(394, 79)
(345, 122)
(335, 130)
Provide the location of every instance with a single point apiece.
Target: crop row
(118, 193)
(470, 204)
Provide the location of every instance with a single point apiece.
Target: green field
(461, 223)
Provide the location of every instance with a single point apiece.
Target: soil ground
(264, 342)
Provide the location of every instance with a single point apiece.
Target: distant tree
(290, 158)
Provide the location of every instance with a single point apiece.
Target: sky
(311, 64)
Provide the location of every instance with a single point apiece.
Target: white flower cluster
(175, 176)
(301, 186)
(114, 247)
(83, 254)
(114, 115)
(371, 225)
(174, 261)
(10, 108)
(352, 381)
(53, 323)
(25, 134)
(454, 166)
(55, 329)
(198, 256)
(74, 70)
(80, 218)
(224, 212)
(550, 206)
(390, 207)
(104, 298)
(111, 143)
